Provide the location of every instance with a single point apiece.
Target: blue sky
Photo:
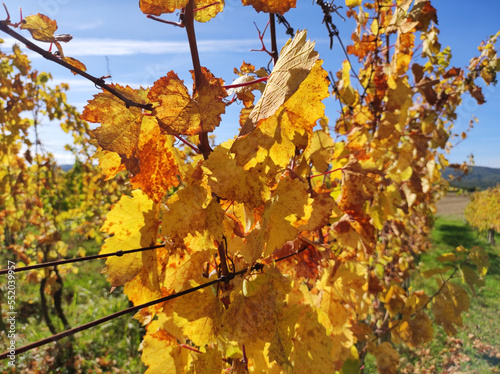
(114, 36)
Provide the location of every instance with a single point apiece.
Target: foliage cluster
(335, 215)
(39, 203)
(483, 212)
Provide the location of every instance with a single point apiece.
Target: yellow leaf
(120, 126)
(447, 257)
(251, 319)
(319, 213)
(158, 7)
(41, 27)
(133, 222)
(295, 61)
(145, 287)
(312, 347)
(274, 141)
(387, 358)
(208, 362)
(75, 63)
(179, 113)
(285, 207)
(109, 162)
(207, 9)
(347, 93)
(192, 216)
(353, 3)
(480, 258)
(199, 314)
(448, 306)
(320, 150)
(395, 300)
(162, 353)
(231, 181)
(181, 267)
(415, 331)
(271, 6)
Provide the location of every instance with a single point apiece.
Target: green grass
(111, 347)
(476, 348)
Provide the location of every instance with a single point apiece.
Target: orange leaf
(41, 27)
(157, 161)
(74, 62)
(120, 126)
(158, 7)
(179, 113)
(271, 6)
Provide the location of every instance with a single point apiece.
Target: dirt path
(452, 205)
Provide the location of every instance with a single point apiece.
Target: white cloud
(121, 47)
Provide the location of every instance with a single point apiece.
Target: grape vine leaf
(179, 113)
(133, 222)
(41, 27)
(295, 61)
(158, 161)
(120, 126)
(271, 6)
(274, 141)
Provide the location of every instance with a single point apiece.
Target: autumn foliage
(483, 212)
(335, 212)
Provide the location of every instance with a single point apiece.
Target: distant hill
(66, 167)
(479, 177)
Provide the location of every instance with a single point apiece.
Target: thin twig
(245, 84)
(49, 56)
(177, 24)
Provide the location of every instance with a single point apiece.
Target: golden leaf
(320, 150)
(312, 347)
(158, 7)
(387, 358)
(295, 61)
(76, 63)
(231, 181)
(120, 126)
(205, 10)
(208, 362)
(192, 216)
(157, 161)
(133, 222)
(448, 306)
(179, 113)
(251, 316)
(162, 353)
(41, 27)
(353, 3)
(271, 6)
(274, 141)
(198, 314)
(285, 207)
(109, 162)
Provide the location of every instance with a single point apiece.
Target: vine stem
(274, 44)
(245, 84)
(325, 173)
(204, 146)
(188, 21)
(49, 56)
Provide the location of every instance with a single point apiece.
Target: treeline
(478, 178)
